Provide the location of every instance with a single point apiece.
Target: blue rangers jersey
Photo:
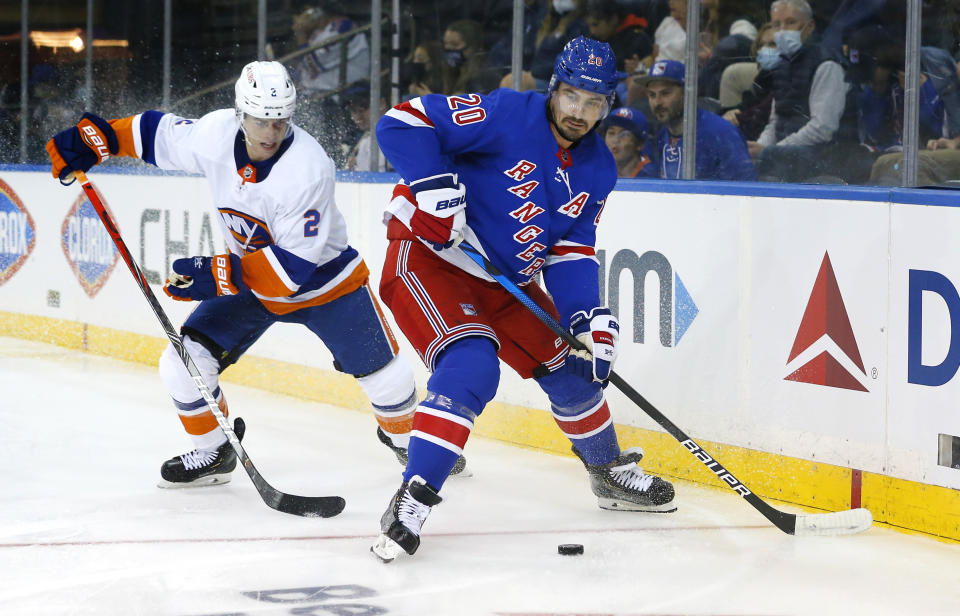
(531, 205)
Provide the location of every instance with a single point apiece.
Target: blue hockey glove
(599, 331)
(200, 278)
(80, 147)
(439, 218)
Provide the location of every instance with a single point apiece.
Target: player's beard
(564, 132)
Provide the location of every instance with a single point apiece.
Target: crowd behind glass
(788, 90)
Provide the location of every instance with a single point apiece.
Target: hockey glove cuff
(599, 331)
(440, 216)
(200, 278)
(80, 147)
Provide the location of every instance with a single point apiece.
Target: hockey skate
(202, 467)
(459, 469)
(401, 522)
(621, 485)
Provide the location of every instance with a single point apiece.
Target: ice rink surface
(84, 529)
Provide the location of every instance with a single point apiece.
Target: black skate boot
(202, 467)
(621, 485)
(401, 523)
(459, 469)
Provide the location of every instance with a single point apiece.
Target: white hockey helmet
(265, 90)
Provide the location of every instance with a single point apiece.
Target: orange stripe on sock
(204, 422)
(396, 425)
(199, 424)
(124, 129)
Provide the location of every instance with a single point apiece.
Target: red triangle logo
(825, 370)
(826, 314)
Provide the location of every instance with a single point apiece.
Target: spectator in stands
(625, 132)
(746, 89)
(630, 46)
(319, 70)
(721, 151)
(562, 23)
(808, 134)
(875, 47)
(426, 69)
(609, 20)
(739, 77)
(670, 39)
(734, 29)
(466, 67)
(357, 100)
(720, 20)
(882, 99)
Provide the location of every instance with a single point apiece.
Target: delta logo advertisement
(825, 347)
(18, 233)
(87, 245)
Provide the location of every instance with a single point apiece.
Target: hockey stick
(306, 506)
(835, 523)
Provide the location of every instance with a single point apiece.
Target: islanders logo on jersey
(17, 232)
(250, 233)
(87, 245)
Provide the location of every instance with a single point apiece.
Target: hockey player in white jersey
(288, 259)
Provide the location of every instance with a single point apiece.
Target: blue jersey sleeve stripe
(149, 121)
(298, 269)
(328, 271)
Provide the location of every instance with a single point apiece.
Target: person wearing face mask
(465, 62)
(812, 129)
(425, 69)
(745, 88)
(812, 125)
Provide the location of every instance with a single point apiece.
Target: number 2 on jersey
(313, 221)
(471, 114)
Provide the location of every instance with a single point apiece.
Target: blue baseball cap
(629, 119)
(666, 70)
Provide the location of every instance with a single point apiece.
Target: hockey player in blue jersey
(523, 177)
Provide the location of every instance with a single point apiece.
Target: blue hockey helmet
(587, 64)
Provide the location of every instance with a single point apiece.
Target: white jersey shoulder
(290, 205)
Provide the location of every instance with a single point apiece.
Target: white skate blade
(613, 504)
(209, 480)
(386, 549)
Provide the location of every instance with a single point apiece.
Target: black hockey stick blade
(834, 523)
(306, 506)
(311, 506)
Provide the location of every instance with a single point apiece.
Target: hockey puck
(570, 549)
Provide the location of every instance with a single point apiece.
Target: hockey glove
(200, 278)
(599, 331)
(80, 147)
(439, 217)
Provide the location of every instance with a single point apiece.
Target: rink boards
(804, 335)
